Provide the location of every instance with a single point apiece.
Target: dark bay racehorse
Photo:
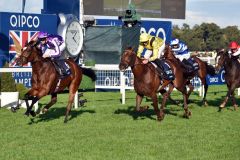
(202, 72)
(45, 79)
(147, 81)
(232, 75)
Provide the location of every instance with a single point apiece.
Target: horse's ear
(130, 48)
(133, 47)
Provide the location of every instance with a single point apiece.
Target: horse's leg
(187, 113)
(170, 89)
(232, 95)
(138, 103)
(204, 101)
(190, 86)
(234, 101)
(69, 106)
(165, 84)
(52, 102)
(166, 95)
(160, 114)
(29, 108)
(28, 96)
(225, 99)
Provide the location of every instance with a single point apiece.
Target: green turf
(107, 130)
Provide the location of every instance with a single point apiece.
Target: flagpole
(23, 5)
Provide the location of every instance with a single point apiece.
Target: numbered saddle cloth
(62, 68)
(193, 63)
(164, 69)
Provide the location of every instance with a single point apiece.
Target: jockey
(155, 47)
(234, 48)
(181, 52)
(51, 45)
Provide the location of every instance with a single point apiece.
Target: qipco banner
(17, 29)
(217, 79)
(157, 28)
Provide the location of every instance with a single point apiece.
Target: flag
(17, 40)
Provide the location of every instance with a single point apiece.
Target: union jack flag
(17, 39)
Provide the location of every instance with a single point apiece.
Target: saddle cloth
(62, 68)
(164, 68)
(194, 64)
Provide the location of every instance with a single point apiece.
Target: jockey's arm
(237, 53)
(140, 50)
(57, 50)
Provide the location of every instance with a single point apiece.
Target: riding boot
(62, 67)
(160, 69)
(188, 66)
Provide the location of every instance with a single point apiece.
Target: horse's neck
(36, 57)
(137, 67)
(172, 58)
(228, 64)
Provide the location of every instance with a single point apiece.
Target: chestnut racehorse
(45, 79)
(203, 71)
(147, 82)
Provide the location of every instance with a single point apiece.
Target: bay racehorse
(147, 81)
(45, 79)
(232, 75)
(203, 71)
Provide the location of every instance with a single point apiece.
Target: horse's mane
(34, 44)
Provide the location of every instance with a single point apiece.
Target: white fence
(109, 77)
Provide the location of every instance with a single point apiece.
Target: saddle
(62, 68)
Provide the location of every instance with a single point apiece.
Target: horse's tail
(89, 72)
(210, 69)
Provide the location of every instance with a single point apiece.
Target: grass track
(105, 129)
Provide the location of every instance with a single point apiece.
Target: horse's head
(220, 59)
(27, 53)
(127, 59)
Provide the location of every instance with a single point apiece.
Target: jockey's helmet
(233, 45)
(174, 43)
(144, 37)
(42, 35)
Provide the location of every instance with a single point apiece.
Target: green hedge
(7, 83)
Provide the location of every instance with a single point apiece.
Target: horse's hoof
(219, 109)
(204, 103)
(44, 110)
(187, 115)
(33, 114)
(13, 109)
(144, 108)
(65, 120)
(26, 113)
(235, 107)
(161, 117)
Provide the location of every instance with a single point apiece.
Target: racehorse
(204, 69)
(45, 78)
(147, 81)
(232, 75)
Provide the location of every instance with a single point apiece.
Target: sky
(221, 12)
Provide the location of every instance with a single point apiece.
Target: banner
(218, 79)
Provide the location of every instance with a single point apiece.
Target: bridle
(27, 52)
